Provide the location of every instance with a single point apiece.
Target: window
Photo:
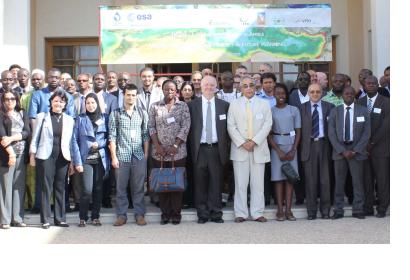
(73, 55)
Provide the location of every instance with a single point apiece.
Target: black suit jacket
(294, 99)
(380, 125)
(380, 91)
(306, 117)
(195, 109)
(5, 130)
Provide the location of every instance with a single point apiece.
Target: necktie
(249, 117)
(208, 125)
(315, 122)
(369, 106)
(347, 124)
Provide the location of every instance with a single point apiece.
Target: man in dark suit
(208, 140)
(315, 151)
(349, 133)
(298, 97)
(376, 168)
(363, 74)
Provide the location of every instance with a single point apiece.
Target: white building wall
(380, 21)
(14, 33)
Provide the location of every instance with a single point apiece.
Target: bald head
(322, 80)
(208, 86)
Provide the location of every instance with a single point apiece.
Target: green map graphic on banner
(203, 33)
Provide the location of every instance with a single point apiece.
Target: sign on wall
(215, 33)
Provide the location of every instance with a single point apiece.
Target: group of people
(100, 131)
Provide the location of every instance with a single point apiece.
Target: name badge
(377, 110)
(133, 134)
(259, 116)
(99, 122)
(222, 117)
(360, 119)
(170, 120)
(292, 133)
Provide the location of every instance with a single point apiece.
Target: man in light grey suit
(315, 151)
(349, 133)
(249, 123)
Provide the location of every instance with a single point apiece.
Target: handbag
(291, 175)
(172, 179)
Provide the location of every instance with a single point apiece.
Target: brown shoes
(290, 217)
(140, 220)
(120, 222)
(239, 220)
(280, 216)
(261, 219)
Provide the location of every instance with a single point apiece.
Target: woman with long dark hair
(14, 132)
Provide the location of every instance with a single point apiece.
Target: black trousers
(317, 173)
(92, 182)
(52, 174)
(377, 172)
(188, 196)
(170, 203)
(208, 174)
(300, 186)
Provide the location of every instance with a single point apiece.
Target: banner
(215, 33)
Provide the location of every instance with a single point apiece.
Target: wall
(14, 33)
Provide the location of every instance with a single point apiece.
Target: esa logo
(132, 17)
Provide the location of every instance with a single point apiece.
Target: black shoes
(311, 217)
(381, 214)
(369, 212)
(325, 216)
(176, 222)
(164, 221)
(202, 220)
(358, 215)
(217, 220)
(337, 216)
(61, 224)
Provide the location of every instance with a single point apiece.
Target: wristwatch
(176, 146)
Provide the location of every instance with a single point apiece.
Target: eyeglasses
(79, 81)
(248, 86)
(10, 99)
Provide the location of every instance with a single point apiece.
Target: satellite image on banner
(201, 33)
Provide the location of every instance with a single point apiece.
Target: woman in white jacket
(50, 151)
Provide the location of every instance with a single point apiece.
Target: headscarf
(96, 115)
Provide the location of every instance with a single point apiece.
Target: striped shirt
(127, 134)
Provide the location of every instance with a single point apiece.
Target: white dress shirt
(319, 110)
(373, 99)
(351, 121)
(303, 99)
(204, 110)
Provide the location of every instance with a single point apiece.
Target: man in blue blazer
(108, 102)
